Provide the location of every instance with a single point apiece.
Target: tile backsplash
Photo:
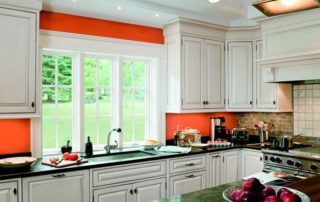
(282, 121)
(306, 116)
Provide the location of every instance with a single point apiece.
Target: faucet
(108, 147)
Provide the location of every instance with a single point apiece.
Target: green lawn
(91, 129)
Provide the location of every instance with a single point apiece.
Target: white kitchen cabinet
(9, 191)
(137, 192)
(69, 186)
(231, 166)
(187, 182)
(271, 97)
(195, 74)
(252, 162)
(18, 58)
(215, 170)
(240, 75)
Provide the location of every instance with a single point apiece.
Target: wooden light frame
(276, 7)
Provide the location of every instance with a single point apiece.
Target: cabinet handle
(15, 191)
(274, 102)
(32, 104)
(190, 176)
(131, 192)
(204, 102)
(207, 102)
(190, 164)
(251, 102)
(58, 175)
(136, 191)
(216, 156)
(260, 158)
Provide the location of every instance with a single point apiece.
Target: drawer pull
(15, 191)
(190, 176)
(216, 156)
(131, 192)
(190, 164)
(59, 175)
(136, 191)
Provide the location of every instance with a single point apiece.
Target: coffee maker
(218, 129)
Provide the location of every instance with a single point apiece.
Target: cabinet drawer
(187, 164)
(112, 175)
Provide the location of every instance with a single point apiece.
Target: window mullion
(56, 102)
(132, 103)
(97, 100)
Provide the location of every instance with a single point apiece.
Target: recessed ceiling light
(213, 1)
(288, 2)
(157, 15)
(119, 8)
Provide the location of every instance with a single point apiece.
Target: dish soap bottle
(89, 150)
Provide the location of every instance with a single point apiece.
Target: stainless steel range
(302, 162)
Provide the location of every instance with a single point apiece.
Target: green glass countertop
(213, 194)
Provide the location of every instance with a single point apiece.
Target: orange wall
(96, 27)
(14, 136)
(200, 121)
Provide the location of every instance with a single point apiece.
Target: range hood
(291, 70)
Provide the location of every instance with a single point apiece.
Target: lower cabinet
(137, 192)
(215, 170)
(186, 183)
(69, 186)
(9, 192)
(230, 166)
(252, 162)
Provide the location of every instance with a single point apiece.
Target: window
(57, 100)
(89, 94)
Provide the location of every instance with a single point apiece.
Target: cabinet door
(123, 193)
(186, 183)
(240, 77)
(191, 73)
(266, 92)
(214, 74)
(17, 61)
(251, 163)
(8, 192)
(71, 187)
(230, 167)
(150, 190)
(215, 170)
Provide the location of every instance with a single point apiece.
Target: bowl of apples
(253, 191)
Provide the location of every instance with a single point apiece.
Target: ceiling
(143, 12)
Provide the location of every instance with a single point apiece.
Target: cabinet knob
(131, 192)
(15, 191)
(260, 158)
(251, 102)
(204, 102)
(136, 191)
(32, 104)
(274, 102)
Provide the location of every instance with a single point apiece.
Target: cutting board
(64, 163)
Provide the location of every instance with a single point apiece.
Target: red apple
(73, 157)
(248, 196)
(235, 196)
(271, 199)
(289, 197)
(268, 191)
(252, 184)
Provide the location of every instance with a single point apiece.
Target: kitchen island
(309, 186)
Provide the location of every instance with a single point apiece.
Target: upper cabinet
(240, 75)
(18, 57)
(195, 70)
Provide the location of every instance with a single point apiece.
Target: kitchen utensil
(304, 198)
(66, 148)
(17, 162)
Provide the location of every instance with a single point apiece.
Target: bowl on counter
(17, 162)
(199, 145)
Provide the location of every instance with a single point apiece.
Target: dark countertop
(309, 186)
(96, 162)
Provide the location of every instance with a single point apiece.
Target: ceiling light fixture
(157, 15)
(213, 1)
(74, 1)
(119, 8)
(278, 7)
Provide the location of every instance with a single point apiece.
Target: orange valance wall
(15, 134)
